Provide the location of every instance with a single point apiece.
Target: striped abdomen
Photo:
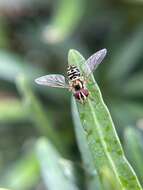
(73, 72)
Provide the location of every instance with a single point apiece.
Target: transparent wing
(53, 80)
(93, 61)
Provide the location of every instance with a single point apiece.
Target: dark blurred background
(35, 37)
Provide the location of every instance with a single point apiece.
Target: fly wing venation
(53, 80)
(94, 60)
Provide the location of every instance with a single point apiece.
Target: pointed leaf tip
(74, 57)
(73, 52)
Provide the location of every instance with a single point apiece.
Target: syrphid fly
(76, 81)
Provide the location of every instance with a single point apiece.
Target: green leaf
(36, 112)
(12, 110)
(52, 170)
(102, 139)
(92, 178)
(133, 141)
(108, 181)
(65, 19)
(23, 174)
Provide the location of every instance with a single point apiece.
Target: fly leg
(83, 98)
(80, 99)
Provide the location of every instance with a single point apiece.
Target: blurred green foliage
(35, 36)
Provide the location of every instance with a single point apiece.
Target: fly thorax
(73, 73)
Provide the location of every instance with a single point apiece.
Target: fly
(76, 82)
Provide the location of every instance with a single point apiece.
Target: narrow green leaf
(36, 112)
(12, 110)
(52, 170)
(92, 178)
(133, 141)
(23, 174)
(102, 139)
(108, 181)
(64, 21)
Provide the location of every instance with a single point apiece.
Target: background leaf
(49, 159)
(27, 171)
(92, 178)
(134, 149)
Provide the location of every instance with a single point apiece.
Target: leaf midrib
(103, 143)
